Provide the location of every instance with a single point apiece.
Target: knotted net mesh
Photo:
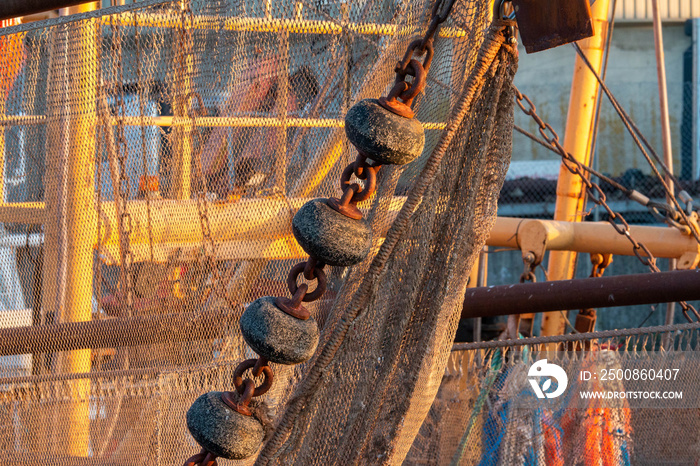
(154, 155)
(153, 158)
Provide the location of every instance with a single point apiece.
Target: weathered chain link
(529, 266)
(142, 110)
(599, 262)
(595, 193)
(438, 16)
(125, 224)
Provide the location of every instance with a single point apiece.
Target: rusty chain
(599, 262)
(352, 193)
(142, 122)
(595, 193)
(245, 388)
(661, 211)
(691, 226)
(530, 264)
(438, 15)
(239, 400)
(122, 190)
(409, 66)
(201, 195)
(208, 245)
(586, 318)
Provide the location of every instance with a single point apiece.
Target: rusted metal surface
(259, 367)
(344, 206)
(125, 331)
(545, 24)
(203, 458)
(317, 274)
(367, 174)
(597, 196)
(293, 306)
(586, 318)
(246, 388)
(353, 192)
(621, 290)
(409, 67)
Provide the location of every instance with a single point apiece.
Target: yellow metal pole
(71, 10)
(72, 300)
(665, 124)
(12, 45)
(579, 132)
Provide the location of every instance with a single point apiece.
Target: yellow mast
(69, 251)
(577, 140)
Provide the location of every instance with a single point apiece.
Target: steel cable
(636, 136)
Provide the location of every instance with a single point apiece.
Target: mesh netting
(385, 373)
(154, 156)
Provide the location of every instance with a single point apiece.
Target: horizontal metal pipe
(210, 121)
(109, 333)
(16, 8)
(620, 290)
(591, 237)
(261, 221)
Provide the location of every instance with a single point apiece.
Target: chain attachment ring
(615, 219)
(344, 205)
(369, 176)
(246, 389)
(353, 192)
(404, 90)
(203, 458)
(318, 274)
(292, 306)
(530, 264)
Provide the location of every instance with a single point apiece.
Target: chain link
(599, 262)
(142, 111)
(312, 269)
(122, 190)
(530, 264)
(208, 244)
(595, 193)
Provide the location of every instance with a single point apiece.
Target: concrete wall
(546, 78)
(669, 10)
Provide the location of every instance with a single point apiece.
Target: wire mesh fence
(155, 154)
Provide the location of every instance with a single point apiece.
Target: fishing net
(485, 413)
(394, 320)
(153, 158)
(154, 155)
